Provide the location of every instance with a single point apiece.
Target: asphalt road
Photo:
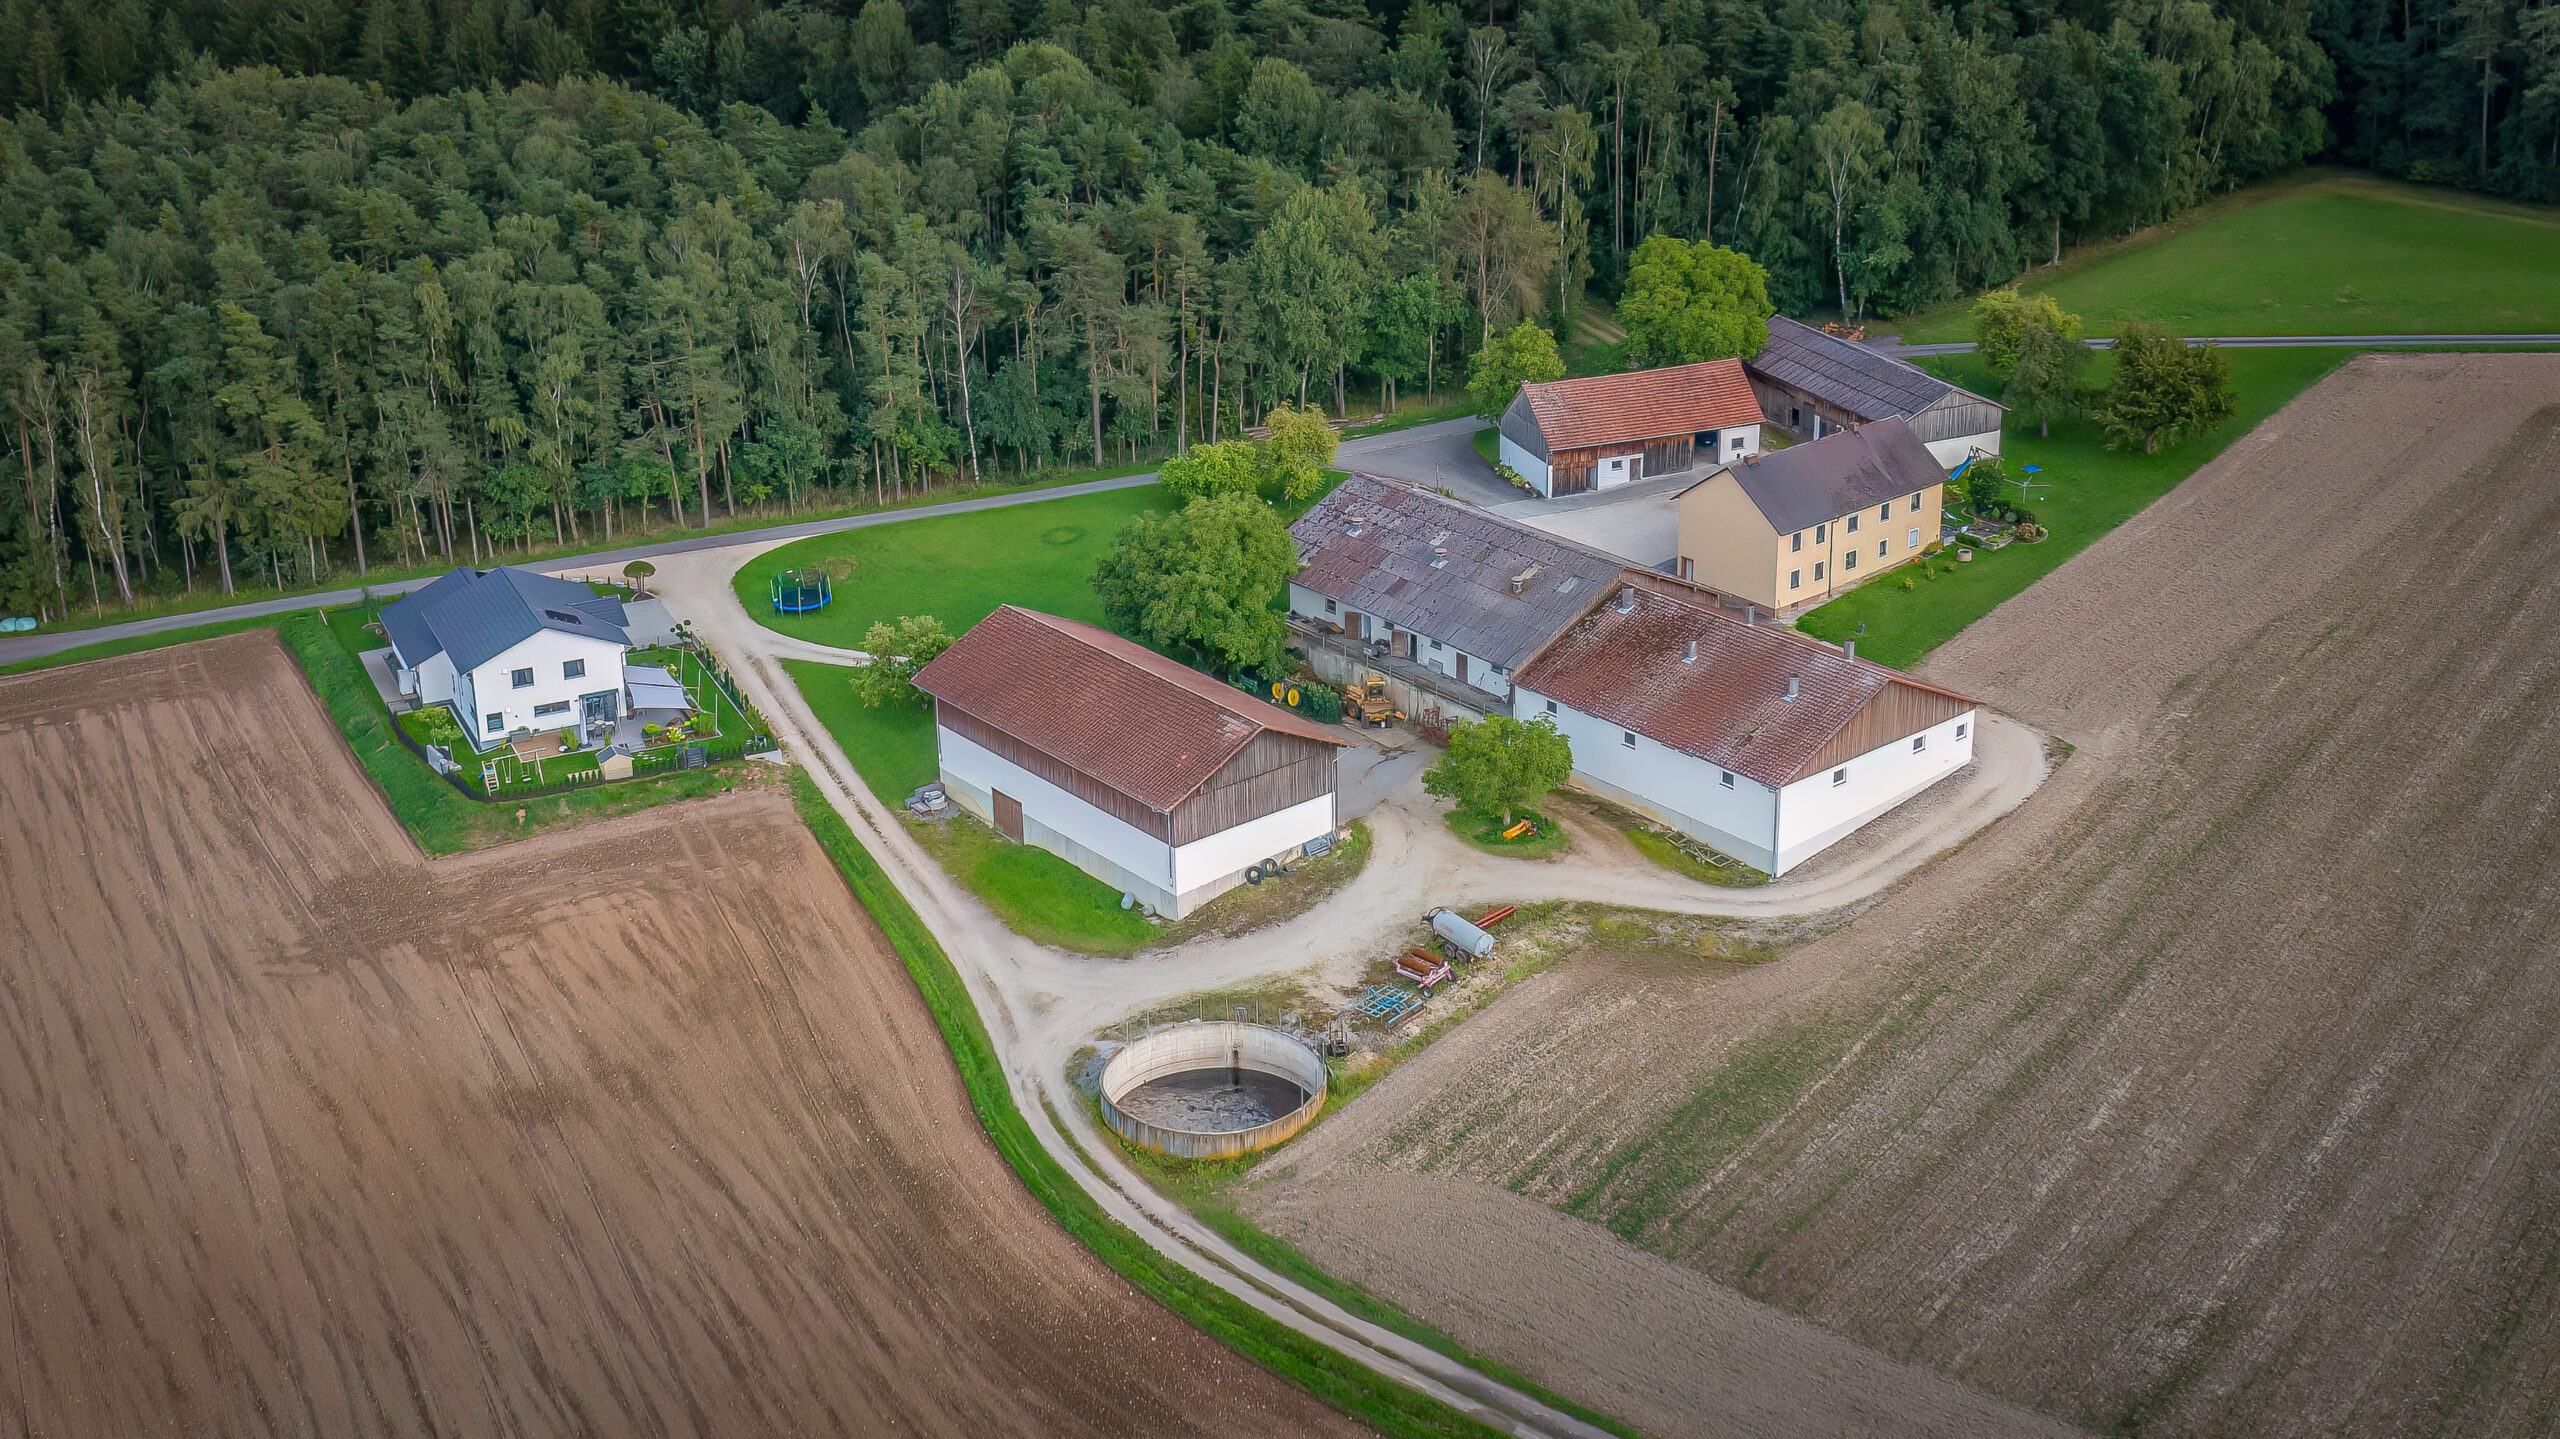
(1892, 344)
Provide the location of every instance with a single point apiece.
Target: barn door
(1008, 816)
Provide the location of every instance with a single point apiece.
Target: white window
(556, 707)
(1849, 561)
(1960, 731)
(1798, 542)
(1627, 737)
(1919, 742)
(1795, 579)
(1915, 504)
(1839, 777)
(1884, 513)
(1725, 777)
(1551, 706)
(1913, 542)
(1331, 608)
(496, 723)
(573, 669)
(523, 679)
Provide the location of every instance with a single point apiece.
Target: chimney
(1794, 687)
(1692, 656)
(1849, 648)
(1626, 599)
(1751, 459)
(1521, 580)
(1751, 614)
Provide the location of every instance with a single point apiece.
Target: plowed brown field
(633, 1130)
(2217, 1091)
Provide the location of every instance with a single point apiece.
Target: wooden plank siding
(1271, 773)
(1898, 711)
(1956, 416)
(1267, 776)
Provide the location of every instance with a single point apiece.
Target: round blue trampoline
(796, 592)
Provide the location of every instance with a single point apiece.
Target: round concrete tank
(1212, 1089)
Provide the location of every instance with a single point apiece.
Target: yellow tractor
(1367, 703)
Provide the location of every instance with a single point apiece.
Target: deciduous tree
(1688, 302)
(1202, 580)
(1496, 766)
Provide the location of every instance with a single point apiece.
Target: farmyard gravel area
(637, 1129)
(2209, 1093)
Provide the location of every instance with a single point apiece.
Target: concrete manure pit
(1209, 1090)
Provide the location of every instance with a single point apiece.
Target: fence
(662, 760)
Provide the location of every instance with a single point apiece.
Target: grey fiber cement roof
(1844, 471)
(475, 616)
(1869, 385)
(1423, 562)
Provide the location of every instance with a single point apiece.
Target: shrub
(1323, 703)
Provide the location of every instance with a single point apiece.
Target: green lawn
(2326, 253)
(1488, 442)
(891, 748)
(1038, 895)
(956, 568)
(2093, 490)
(1485, 833)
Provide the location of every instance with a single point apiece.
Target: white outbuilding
(1760, 741)
(1146, 774)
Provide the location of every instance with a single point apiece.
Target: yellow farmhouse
(1794, 527)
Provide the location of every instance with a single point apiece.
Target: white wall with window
(1822, 809)
(1426, 651)
(537, 684)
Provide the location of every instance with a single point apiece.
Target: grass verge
(1663, 850)
(2085, 491)
(892, 748)
(1038, 895)
(1337, 1380)
(1485, 833)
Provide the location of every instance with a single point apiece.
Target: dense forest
(292, 288)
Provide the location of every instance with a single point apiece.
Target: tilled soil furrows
(2210, 1094)
(639, 1129)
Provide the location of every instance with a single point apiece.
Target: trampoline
(796, 592)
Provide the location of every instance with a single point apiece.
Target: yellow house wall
(1726, 544)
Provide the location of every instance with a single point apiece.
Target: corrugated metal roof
(1729, 706)
(1107, 707)
(474, 616)
(1868, 385)
(1423, 562)
(1642, 404)
(1804, 485)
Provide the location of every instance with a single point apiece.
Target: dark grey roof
(473, 616)
(1804, 485)
(1866, 384)
(1422, 562)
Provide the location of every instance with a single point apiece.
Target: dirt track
(633, 1130)
(2211, 1093)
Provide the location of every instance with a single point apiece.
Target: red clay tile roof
(1728, 708)
(1642, 404)
(1107, 707)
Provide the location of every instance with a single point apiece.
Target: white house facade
(511, 652)
(547, 681)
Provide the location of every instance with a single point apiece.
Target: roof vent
(1795, 687)
(1751, 614)
(1692, 656)
(564, 617)
(1439, 558)
(1626, 599)
(1521, 580)
(1849, 648)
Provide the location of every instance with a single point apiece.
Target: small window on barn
(495, 723)
(1919, 742)
(573, 669)
(556, 707)
(1960, 729)
(1551, 706)
(1725, 777)
(1331, 608)
(1627, 737)
(523, 679)
(1795, 418)
(1839, 777)
(1435, 644)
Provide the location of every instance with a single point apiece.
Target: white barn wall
(1814, 813)
(1223, 856)
(1531, 468)
(544, 651)
(1678, 789)
(1135, 854)
(1951, 453)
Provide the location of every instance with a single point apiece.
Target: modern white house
(1412, 579)
(514, 652)
(1146, 774)
(1811, 384)
(1758, 740)
(1597, 432)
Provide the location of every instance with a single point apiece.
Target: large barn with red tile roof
(1759, 740)
(1569, 436)
(1148, 775)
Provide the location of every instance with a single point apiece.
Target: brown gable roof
(1729, 707)
(1106, 707)
(1642, 404)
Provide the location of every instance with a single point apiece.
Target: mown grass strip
(1337, 1380)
